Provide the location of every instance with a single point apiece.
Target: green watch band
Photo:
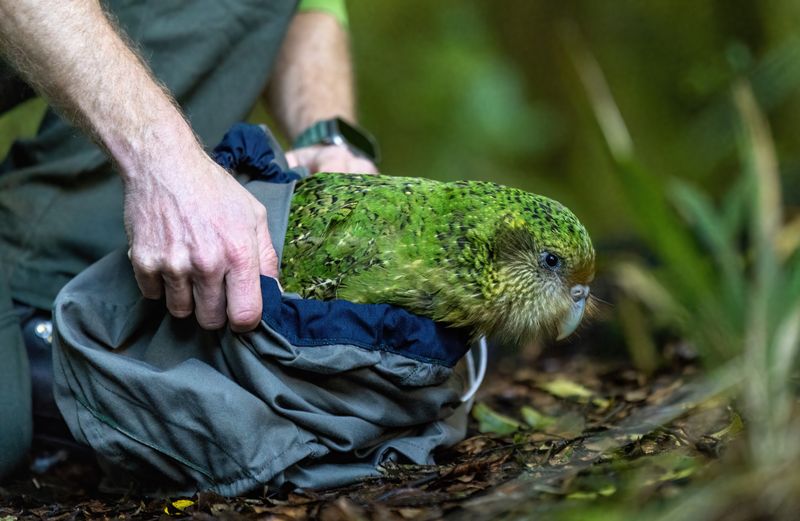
(337, 131)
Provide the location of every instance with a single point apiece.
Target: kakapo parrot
(504, 262)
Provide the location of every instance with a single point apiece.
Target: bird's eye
(550, 261)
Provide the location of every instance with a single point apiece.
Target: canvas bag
(320, 394)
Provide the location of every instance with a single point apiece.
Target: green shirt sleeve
(337, 8)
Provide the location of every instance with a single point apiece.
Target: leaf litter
(570, 429)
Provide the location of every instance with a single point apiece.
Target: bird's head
(543, 263)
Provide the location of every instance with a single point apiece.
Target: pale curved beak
(572, 320)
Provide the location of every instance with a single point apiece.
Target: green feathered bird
(502, 261)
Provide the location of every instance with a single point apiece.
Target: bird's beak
(570, 322)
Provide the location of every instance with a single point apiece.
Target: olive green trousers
(16, 424)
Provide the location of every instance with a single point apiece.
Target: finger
(178, 289)
(362, 166)
(209, 300)
(302, 156)
(147, 277)
(338, 163)
(292, 159)
(267, 257)
(243, 292)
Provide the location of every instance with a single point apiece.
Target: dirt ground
(564, 433)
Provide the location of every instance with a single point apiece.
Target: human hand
(330, 158)
(199, 237)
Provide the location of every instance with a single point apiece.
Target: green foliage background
(475, 89)
(486, 90)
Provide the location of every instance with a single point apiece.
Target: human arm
(312, 81)
(195, 234)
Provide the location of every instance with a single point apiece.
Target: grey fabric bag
(179, 409)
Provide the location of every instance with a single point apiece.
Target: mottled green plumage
(465, 253)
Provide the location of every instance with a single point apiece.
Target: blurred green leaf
(494, 422)
(535, 419)
(699, 211)
(568, 389)
(605, 491)
(643, 351)
(20, 122)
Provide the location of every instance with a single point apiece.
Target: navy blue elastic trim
(246, 150)
(306, 323)
(381, 327)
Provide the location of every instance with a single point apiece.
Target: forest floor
(565, 434)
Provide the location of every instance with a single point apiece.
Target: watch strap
(337, 131)
(318, 133)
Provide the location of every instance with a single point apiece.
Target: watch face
(358, 139)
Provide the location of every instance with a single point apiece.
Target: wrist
(338, 131)
(167, 142)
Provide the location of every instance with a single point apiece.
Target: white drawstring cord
(475, 380)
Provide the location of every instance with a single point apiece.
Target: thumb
(267, 256)
(292, 159)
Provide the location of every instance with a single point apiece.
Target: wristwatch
(336, 131)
